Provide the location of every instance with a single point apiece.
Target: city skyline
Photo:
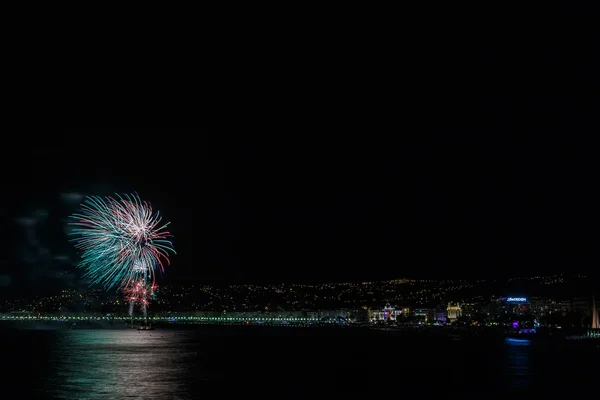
(418, 185)
(398, 304)
(398, 291)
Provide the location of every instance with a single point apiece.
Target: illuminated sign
(517, 299)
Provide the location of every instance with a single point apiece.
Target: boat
(145, 328)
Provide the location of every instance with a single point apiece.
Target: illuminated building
(541, 307)
(565, 307)
(516, 305)
(440, 314)
(581, 306)
(388, 313)
(454, 312)
(469, 309)
(422, 315)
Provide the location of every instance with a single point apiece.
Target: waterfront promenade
(174, 319)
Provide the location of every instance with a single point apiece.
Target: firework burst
(121, 240)
(140, 292)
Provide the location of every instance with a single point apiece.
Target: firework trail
(123, 245)
(140, 292)
(121, 240)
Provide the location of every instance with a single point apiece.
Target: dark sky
(369, 143)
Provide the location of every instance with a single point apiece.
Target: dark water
(171, 364)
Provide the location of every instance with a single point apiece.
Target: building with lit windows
(453, 311)
(581, 305)
(422, 314)
(516, 305)
(440, 314)
(565, 307)
(542, 307)
(469, 309)
(388, 313)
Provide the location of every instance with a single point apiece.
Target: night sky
(194, 187)
(424, 147)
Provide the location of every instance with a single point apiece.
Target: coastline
(433, 333)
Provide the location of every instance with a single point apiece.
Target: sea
(247, 362)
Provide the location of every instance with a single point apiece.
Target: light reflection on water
(518, 362)
(173, 364)
(119, 364)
